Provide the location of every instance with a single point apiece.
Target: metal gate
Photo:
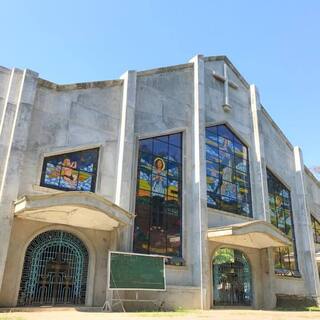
(231, 278)
(54, 271)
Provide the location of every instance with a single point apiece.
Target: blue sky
(274, 44)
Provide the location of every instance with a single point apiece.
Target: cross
(57, 267)
(226, 83)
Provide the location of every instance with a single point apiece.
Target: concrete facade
(40, 118)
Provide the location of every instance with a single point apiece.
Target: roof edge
(312, 176)
(80, 85)
(231, 66)
(274, 124)
(172, 68)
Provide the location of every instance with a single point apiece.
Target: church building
(180, 161)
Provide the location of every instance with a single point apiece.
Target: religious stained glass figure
(281, 217)
(228, 181)
(158, 185)
(71, 171)
(158, 198)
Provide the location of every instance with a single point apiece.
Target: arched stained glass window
(158, 198)
(228, 181)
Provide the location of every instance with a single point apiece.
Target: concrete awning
(73, 208)
(253, 234)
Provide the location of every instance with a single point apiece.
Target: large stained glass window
(281, 217)
(71, 171)
(158, 199)
(316, 229)
(228, 181)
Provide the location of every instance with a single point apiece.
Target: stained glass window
(281, 217)
(158, 197)
(71, 171)
(228, 181)
(316, 229)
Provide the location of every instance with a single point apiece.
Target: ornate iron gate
(54, 271)
(231, 278)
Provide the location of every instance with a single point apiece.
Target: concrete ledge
(253, 234)
(78, 86)
(74, 208)
(295, 301)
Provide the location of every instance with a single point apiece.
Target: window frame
(284, 186)
(48, 155)
(174, 260)
(247, 183)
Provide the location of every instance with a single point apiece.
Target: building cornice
(78, 86)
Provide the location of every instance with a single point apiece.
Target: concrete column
(303, 234)
(126, 170)
(258, 164)
(201, 270)
(15, 82)
(260, 197)
(14, 129)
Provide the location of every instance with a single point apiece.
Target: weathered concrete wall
(216, 218)
(75, 118)
(312, 194)
(174, 298)
(18, 100)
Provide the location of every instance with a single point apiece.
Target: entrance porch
(59, 247)
(242, 263)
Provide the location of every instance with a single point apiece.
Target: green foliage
(224, 255)
(298, 309)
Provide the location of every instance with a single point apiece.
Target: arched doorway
(231, 278)
(54, 271)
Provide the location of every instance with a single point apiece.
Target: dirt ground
(203, 315)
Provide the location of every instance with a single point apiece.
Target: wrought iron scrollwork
(54, 271)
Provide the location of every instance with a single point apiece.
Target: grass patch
(298, 309)
(313, 308)
(10, 318)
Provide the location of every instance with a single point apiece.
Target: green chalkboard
(129, 271)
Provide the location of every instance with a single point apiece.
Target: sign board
(132, 271)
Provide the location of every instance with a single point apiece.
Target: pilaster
(14, 129)
(125, 187)
(303, 232)
(258, 163)
(201, 270)
(260, 197)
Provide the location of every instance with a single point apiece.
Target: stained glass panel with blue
(71, 171)
(159, 195)
(281, 217)
(228, 181)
